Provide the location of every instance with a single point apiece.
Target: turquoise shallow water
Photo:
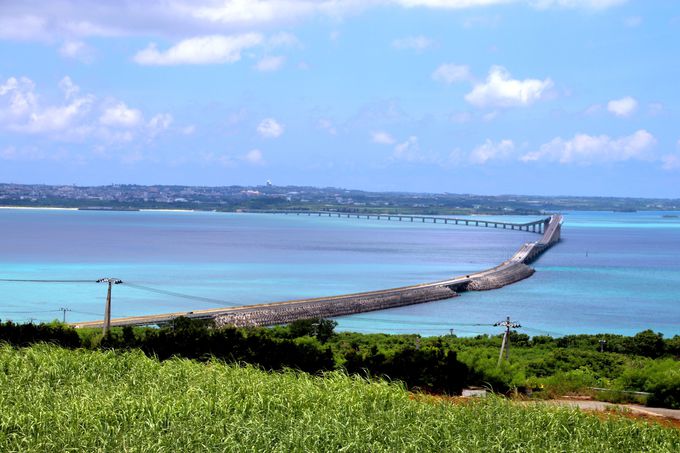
(613, 272)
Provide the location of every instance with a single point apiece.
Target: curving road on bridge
(510, 271)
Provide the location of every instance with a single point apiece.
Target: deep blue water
(613, 272)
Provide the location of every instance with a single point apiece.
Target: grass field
(53, 399)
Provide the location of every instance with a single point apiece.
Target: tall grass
(54, 399)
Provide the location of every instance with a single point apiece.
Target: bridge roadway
(534, 227)
(510, 271)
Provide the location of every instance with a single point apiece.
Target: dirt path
(672, 416)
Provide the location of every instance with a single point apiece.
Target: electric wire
(20, 280)
(182, 295)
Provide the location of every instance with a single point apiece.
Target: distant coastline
(42, 208)
(262, 198)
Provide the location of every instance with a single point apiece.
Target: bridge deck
(535, 226)
(510, 271)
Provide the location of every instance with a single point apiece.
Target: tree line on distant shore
(541, 365)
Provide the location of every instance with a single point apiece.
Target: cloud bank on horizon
(485, 96)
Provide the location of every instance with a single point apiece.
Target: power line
(505, 344)
(64, 310)
(21, 280)
(431, 323)
(107, 308)
(29, 312)
(182, 295)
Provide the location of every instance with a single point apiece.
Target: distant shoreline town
(270, 197)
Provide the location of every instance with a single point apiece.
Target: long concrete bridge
(510, 271)
(537, 226)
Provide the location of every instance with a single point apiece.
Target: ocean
(612, 272)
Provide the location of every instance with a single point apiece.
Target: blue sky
(546, 97)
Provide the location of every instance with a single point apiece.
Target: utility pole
(64, 310)
(602, 345)
(107, 309)
(505, 344)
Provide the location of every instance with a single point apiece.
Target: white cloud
(77, 50)
(588, 149)
(450, 4)
(328, 126)
(30, 153)
(77, 19)
(24, 27)
(461, 117)
(20, 110)
(451, 73)
(409, 151)
(18, 97)
(79, 118)
(577, 4)
(120, 115)
(622, 107)
(593, 110)
(417, 43)
(670, 162)
(492, 151)
(68, 87)
(57, 118)
(188, 130)
(270, 128)
(655, 108)
(382, 138)
(500, 90)
(490, 116)
(200, 50)
(270, 64)
(159, 123)
(254, 157)
(283, 39)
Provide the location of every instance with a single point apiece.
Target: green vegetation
(547, 367)
(56, 399)
(541, 367)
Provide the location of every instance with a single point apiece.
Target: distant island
(271, 197)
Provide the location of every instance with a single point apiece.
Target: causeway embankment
(515, 269)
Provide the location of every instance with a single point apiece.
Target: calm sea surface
(612, 272)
